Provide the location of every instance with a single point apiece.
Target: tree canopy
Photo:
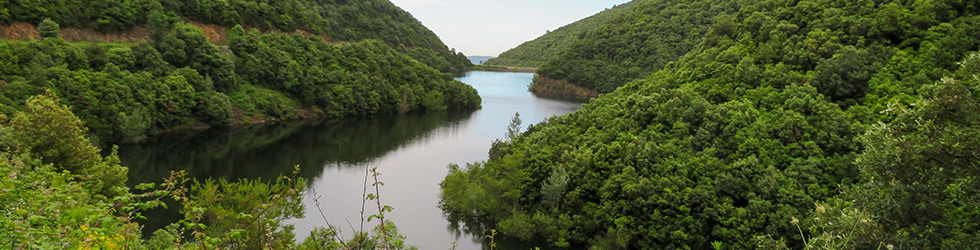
(335, 19)
(536, 52)
(125, 91)
(757, 124)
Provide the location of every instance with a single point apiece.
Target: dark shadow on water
(267, 151)
(560, 97)
(469, 225)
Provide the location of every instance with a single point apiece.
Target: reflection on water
(266, 151)
(410, 151)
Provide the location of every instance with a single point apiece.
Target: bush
(48, 29)
(216, 109)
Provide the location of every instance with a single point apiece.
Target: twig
(363, 197)
(350, 225)
(316, 200)
(381, 212)
(171, 183)
(99, 223)
(804, 237)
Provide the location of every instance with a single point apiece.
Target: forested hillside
(636, 43)
(179, 79)
(817, 123)
(337, 20)
(536, 52)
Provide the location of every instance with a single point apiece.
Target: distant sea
(477, 60)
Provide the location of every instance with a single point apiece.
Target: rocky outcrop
(560, 88)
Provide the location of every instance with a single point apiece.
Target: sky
(489, 27)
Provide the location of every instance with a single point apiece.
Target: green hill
(536, 52)
(178, 79)
(788, 123)
(337, 20)
(635, 43)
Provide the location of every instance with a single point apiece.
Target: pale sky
(488, 27)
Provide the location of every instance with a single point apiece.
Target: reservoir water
(410, 151)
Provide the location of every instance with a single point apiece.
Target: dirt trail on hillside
(25, 31)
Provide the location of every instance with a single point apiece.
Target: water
(410, 151)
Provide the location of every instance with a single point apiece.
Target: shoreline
(560, 88)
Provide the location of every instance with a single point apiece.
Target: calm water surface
(410, 151)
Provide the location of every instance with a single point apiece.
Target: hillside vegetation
(337, 20)
(812, 123)
(636, 43)
(536, 52)
(178, 79)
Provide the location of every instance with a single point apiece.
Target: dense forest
(789, 124)
(534, 53)
(178, 79)
(336, 20)
(618, 45)
(636, 43)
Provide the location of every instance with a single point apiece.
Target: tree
(49, 28)
(159, 24)
(554, 187)
(924, 167)
(922, 170)
(50, 131)
(845, 76)
(514, 128)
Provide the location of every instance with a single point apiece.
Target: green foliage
(536, 52)
(639, 40)
(186, 46)
(52, 133)
(54, 196)
(179, 79)
(845, 75)
(159, 24)
(335, 20)
(514, 128)
(264, 103)
(922, 168)
(753, 125)
(48, 28)
(360, 78)
(321, 239)
(613, 176)
(216, 108)
(124, 91)
(553, 188)
(247, 214)
(46, 208)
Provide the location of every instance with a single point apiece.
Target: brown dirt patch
(90, 35)
(215, 33)
(25, 31)
(19, 31)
